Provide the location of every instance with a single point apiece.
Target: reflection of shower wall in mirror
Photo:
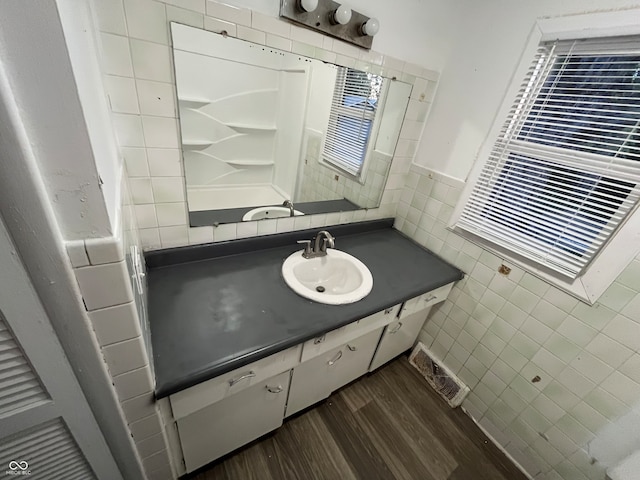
(241, 121)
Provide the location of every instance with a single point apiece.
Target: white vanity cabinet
(401, 334)
(228, 424)
(220, 415)
(315, 379)
(217, 416)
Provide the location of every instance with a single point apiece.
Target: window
(353, 109)
(564, 171)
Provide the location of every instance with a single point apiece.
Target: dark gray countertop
(211, 316)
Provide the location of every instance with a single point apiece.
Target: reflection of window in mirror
(352, 120)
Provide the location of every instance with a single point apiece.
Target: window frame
(361, 176)
(624, 245)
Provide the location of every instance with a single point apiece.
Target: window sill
(622, 249)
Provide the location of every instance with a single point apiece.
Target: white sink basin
(334, 279)
(269, 212)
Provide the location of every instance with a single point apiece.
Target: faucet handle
(307, 247)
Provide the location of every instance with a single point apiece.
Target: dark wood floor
(388, 425)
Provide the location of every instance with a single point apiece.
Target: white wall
(81, 42)
(476, 72)
(54, 86)
(418, 31)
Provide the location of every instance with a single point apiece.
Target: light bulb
(308, 5)
(342, 15)
(370, 27)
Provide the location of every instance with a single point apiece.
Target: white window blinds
(564, 171)
(353, 109)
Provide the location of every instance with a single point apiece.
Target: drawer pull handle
(233, 381)
(335, 359)
(395, 330)
(318, 340)
(387, 311)
(352, 348)
(430, 297)
(277, 389)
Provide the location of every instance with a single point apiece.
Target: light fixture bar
(322, 19)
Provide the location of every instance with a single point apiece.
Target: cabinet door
(315, 379)
(398, 336)
(311, 382)
(228, 424)
(355, 360)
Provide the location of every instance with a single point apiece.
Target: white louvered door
(47, 429)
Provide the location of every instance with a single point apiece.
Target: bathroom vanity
(236, 351)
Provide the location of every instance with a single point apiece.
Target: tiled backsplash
(553, 380)
(141, 88)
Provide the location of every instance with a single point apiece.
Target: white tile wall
(498, 333)
(116, 324)
(133, 383)
(156, 98)
(104, 250)
(77, 253)
(117, 312)
(135, 46)
(102, 285)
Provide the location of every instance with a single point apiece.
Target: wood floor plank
(424, 441)
(356, 446)
(249, 464)
(355, 396)
(390, 425)
(311, 441)
(280, 461)
(394, 447)
(455, 429)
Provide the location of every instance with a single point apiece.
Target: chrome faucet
(321, 242)
(289, 204)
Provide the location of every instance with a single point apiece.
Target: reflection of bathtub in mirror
(260, 125)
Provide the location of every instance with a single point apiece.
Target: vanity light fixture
(332, 18)
(341, 15)
(370, 27)
(308, 5)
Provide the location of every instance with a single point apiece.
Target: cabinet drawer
(204, 394)
(319, 345)
(425, 300)
(224, 426)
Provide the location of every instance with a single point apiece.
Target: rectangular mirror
(267, 133)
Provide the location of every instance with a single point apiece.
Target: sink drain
(320, 288)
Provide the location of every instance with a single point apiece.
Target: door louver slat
(19, 386)
(49, 450)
